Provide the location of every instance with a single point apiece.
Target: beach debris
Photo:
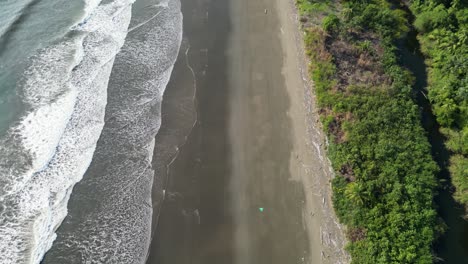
(261, 209)
(424, 95)
(196, 213)
(266, 11)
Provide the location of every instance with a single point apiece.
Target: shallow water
(110, 210)
(25, 27)
(56, 59)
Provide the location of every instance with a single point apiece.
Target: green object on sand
(260, 209)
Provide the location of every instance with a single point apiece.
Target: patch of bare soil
(357, 56)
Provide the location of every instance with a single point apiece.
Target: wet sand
(250, 183)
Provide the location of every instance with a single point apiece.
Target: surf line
(144, 22)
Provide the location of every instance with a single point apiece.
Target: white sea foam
(116, 192)
(47, 92)
(49, 150)
(90, 6)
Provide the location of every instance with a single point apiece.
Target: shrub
(385, 180)
(331, 23)
(443, 34)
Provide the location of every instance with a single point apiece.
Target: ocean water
(73, 73)
(24, 31)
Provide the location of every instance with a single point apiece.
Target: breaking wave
(45, 153)
(110, 213)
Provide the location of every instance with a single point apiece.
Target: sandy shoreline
(255, 54)
(256, 144)
(325, 233)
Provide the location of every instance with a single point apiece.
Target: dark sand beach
(248, 182)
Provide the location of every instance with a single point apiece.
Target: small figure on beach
(266, 11)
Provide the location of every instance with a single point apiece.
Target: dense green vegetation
(386, 177)
(443, 34)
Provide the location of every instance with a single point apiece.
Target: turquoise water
(56, 87)
(109, 212)
(27, 26)
(55, 61)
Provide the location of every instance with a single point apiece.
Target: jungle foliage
(443, 34)
(386, 177)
